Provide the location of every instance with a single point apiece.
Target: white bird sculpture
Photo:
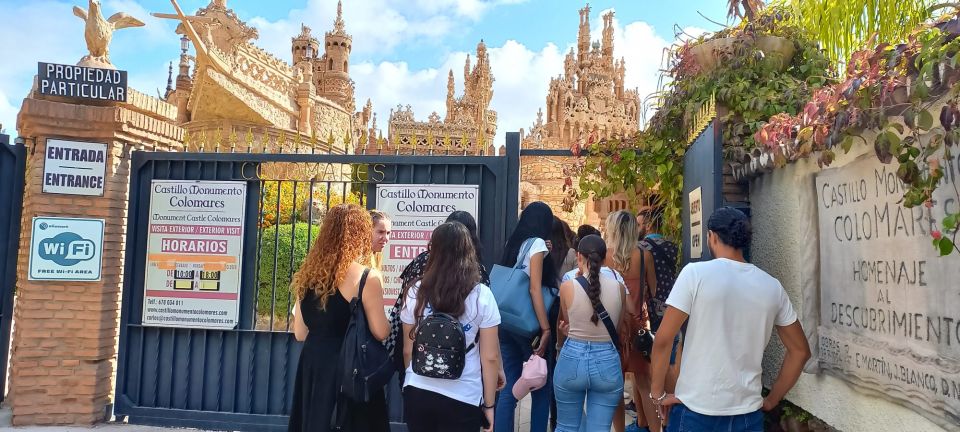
(99, 31)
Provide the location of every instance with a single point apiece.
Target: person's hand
(663, 406)
(488, 413)
(769, 404)
(501, 379)
(544, 340)
(549, 245)
(563, 327)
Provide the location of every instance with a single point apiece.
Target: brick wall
(65, 339)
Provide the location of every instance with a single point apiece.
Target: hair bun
(740, 233)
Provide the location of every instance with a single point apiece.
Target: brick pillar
(65, 340)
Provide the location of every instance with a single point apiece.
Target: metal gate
(242, 379)
(12, 167)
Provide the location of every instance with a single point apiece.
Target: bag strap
(363, 281)
(602, 314)
(524, 250)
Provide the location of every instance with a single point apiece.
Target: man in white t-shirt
(731, 308)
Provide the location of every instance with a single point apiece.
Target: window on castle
(345, 66)
(331, 65)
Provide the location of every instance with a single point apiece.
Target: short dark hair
(732, 226)
(585, 230)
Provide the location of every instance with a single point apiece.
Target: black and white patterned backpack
(440, 347)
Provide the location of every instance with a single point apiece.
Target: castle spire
(583, 37)
(338, 26)
(170, 78)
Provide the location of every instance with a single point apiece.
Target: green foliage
(749, 84)
(844, 26)
(277, 244)
(286, 201)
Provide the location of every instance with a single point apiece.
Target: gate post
(65, 338)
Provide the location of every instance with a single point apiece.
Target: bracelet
(658, 400)
(543, 329)
(489, 407)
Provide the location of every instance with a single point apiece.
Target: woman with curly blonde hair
(334, 272)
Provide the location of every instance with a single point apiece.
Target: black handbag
(365, 364)
(643, 339)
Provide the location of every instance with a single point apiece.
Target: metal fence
(242, 379)
(12, 166)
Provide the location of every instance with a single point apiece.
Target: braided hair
(594, 251)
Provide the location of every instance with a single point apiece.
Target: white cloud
(377, 26)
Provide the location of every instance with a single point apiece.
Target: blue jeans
(515, 350)
(587, 371)
(682, 419)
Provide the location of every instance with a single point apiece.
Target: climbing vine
(908, 80)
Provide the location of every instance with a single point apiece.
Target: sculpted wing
(80, 12)
(121, 20)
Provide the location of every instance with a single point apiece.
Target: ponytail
(593, 286)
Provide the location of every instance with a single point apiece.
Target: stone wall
(64, 346)
(784, 225)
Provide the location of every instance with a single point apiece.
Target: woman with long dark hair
(588, 367)
(451, 285)
(562, 251)
(334, 272)
(533, 228)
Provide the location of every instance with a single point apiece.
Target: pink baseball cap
(533, 377)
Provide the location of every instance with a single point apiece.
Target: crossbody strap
(524, 250)
(601, 313)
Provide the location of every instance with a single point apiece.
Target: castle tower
(304, 46)
(583, 37)
(608, 40)
(333, 80)
(337, 45)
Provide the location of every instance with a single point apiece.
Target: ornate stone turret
(332, 69)
(587, 103)
(468, 126)
(304, 46)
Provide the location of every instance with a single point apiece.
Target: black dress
(315, 393)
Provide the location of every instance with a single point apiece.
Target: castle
(311, 101)
(588, 102)
(236, 88)
(468, 128)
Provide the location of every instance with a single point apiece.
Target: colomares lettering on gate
(890, 306)
(82, 82)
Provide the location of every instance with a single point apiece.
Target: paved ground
(523, 424)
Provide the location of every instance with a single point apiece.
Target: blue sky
(402, 48)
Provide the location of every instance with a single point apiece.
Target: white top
(733, 307)
(538, 246)
(481, 312)
(604, 271)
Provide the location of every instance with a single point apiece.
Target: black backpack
(365, 364)
(440, 347)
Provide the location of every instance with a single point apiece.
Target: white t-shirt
(480, 312)
(733, 308)
(538, 246)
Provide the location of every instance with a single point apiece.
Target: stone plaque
(889, 305)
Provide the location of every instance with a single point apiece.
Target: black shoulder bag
(365, 365)
(643, 339)
(603, 315)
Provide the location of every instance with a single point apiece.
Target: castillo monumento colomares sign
(194, 254)
(415, 210)
(81, 82)
(890, 306)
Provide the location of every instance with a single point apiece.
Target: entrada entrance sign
(890, 307)
(194, 249)
(415, 210)
(82, 82)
